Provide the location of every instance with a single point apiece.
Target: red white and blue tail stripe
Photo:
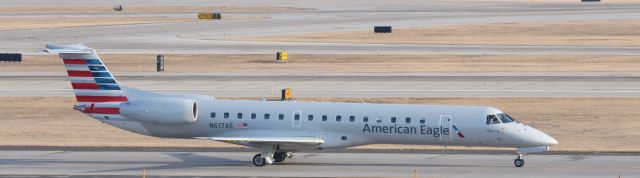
(94, 86)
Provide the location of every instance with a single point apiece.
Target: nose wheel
(519, 161)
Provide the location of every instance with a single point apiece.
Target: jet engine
(165, 110)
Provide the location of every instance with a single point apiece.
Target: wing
(282, 141)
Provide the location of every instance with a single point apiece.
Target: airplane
(279, 128)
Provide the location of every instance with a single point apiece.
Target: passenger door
(295, 119)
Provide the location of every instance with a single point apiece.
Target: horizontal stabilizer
(62, 49)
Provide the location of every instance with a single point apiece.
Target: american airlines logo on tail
(458, 132)
(93, 85)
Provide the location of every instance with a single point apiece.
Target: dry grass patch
(329, 64)
(579, 124)
(575, 33)
(20, 23)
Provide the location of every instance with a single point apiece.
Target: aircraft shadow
(380, 164)
(187, 160)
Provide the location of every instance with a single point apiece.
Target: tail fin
(91, 80)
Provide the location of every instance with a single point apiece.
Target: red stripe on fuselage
(89, 86)
(101, 98)
(74, 61)
(75, 73)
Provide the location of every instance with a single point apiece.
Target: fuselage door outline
(296, 118)
(445, 123)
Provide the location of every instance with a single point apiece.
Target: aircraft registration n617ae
(279, 128)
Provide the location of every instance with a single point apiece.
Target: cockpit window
(492, 119)
(505, 118)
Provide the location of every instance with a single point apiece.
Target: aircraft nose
(533, 137)
(549, 140)
(544, 139)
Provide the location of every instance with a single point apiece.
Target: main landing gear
(258, 160)
(519, 161)
(277, 157)
(281, 156)
(268, 155)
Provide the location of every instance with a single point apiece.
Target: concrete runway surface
(237, 164)
(359, 86)
(327, 16)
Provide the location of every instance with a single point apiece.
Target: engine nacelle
(165, 110)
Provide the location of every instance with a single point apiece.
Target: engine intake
(166, 110)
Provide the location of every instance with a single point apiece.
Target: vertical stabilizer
(95, 88)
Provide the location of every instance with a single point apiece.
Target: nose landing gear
(519, 161)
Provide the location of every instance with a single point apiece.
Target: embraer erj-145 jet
(281, 127)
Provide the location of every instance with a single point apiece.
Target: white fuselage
(279, 127)
(343, 125)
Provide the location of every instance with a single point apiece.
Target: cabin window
(422, 120)
(296, 117)
(213, 115)
(407, 120)
(266, 116)
(393, 119)
(379, 119)
(352, 118)
(365, 119)
(338, 118)
(239, 115)
(226, 115)
(310, 117)
(492, 119)
(281, 116)
(253, 115)
(324, 117)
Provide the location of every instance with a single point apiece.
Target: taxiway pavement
(328, 16)
(352, 85)
(237, 164)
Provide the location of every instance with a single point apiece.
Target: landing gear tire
(518, 162)
(279, 157)
(258, 160)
